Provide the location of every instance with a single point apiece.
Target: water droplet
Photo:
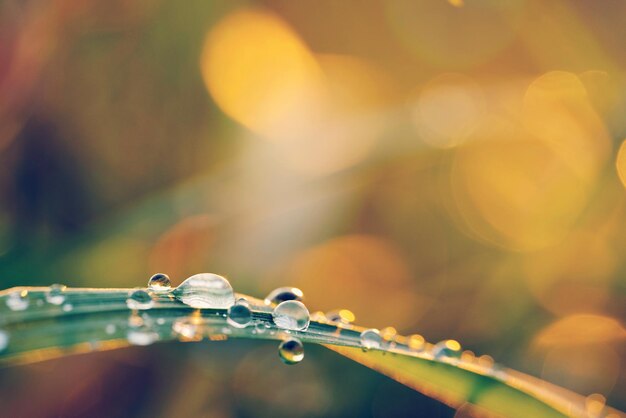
(160, 321)
(342, 316)
(67, 307)
(486, 361)
(110, 329)
(447, 349)
(239, 315)
(4, 340)
(160, 283)
(416, 342)
(388, 333)
(140, 300)
(206, 290)
(56, 294)
(319, 316)
(141, 336)
(291, 351)
(595, 404)
(370, 338)
(259, 327)
(18, 300)
(291, 314)
(283, 294)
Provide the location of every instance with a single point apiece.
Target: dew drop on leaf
(291, 351)
(206, 290)
(239, 315)
(447, 349)
(18, 300)
(292, 315)
(139, 299)
(283, 294)
(56, 294)
(416, 342)
(370, 338)
(160, 283)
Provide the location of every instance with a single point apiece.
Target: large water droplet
(160, 283)
(4, 340)
(291, 351)
(18, 300)
(450, 349)
(239, 315)
(206, 290)
(56, 294)
(370, 338)
(139, 299)
(283, 294)
(291, 314)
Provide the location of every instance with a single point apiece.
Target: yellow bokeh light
(524, 189)
(581, 329)
(448, 110)
(259, 72)
(363, 268)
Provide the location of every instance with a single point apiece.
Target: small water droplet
(206, 290)
(141, 336)
(18, 300)
(239, 315)
(67, 307)
(259, 327)
(370, 338)
(319, 316)
(283, 294)
(291, 351)
(342, 316)
(4, 339)
(110, 329)
(595, 405)
(160, 283)
(450, 349)
(291, 314)
(416, 342)
(56, 294)
(140, 300)
(388, 333)
(160, 321)
(486, 361)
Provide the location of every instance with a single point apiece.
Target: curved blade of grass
(99, 319)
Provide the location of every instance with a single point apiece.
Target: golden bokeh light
(368, 270)
(448, 110)
(260, 73)
(525, 189)
(580, 329)
(582, 368)
(573, 275)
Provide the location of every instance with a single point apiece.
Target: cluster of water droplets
(285, 305)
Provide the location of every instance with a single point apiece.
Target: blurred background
(450, 168)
